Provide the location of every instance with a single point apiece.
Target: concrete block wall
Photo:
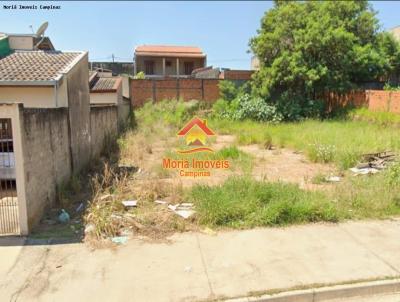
(103, 124)
(185, 89)
(374, 100)
(79, 114)
(379, 100)
(47, 157)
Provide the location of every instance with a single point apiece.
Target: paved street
(194, 266)
(377, 298)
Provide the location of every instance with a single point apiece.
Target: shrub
(228, 90)
(294, 108)
(255, 108)
(140, 76)
(321, 153)
(394, 174)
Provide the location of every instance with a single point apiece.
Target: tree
(306, 48)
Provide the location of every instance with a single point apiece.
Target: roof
(36, 66)
(169, 50)
(196, 121)
(104, 84)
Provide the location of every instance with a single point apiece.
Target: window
(148, 67)
(189, 66)
(168, 63)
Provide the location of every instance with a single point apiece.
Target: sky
(221, 28)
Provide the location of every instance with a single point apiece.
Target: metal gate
(9, 217)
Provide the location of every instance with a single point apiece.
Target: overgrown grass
(339, 141)
(378, 117)
(243, 202)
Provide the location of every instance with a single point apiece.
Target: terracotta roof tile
(108, 84)
(35, 65)
(169, 50)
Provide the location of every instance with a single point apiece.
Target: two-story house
(168, 61)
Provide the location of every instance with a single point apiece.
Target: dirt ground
(273, 165)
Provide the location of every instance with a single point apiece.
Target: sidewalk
(196, 267)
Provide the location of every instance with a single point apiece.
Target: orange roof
(196, 121)
(168, 50)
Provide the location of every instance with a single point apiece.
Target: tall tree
(309, 47)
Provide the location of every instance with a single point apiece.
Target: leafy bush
(247, 107)
(294, 108)
(389, 87)
(228, 90)
(255, 108)
(140, 76)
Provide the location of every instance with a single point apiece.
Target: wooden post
(163, 66)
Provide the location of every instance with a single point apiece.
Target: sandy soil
(273, 165)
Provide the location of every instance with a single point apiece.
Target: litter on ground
(374, 162)
(63, 217)
(89, 228)
(364, 171)
(184, 210)
(119, 239)
(129, 203)
(79, 208)
(333, 178)
(160, 201)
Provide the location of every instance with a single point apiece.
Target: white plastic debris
(129, 203)
(119, 239)
(160, 201)
(333, 178)
(184, 209)
(90, 228)
(364, 171)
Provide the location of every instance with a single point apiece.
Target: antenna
(40, 33)
(42, 29)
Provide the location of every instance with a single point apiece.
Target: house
(396, 32)
(42, 79)
(45, 128)
(168, 61)
(106, 90)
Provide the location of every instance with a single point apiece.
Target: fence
(185, 89)
(374, 100)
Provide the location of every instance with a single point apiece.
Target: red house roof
(169, 50)
(196, 121)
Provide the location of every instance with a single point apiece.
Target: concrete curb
(328, 293)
